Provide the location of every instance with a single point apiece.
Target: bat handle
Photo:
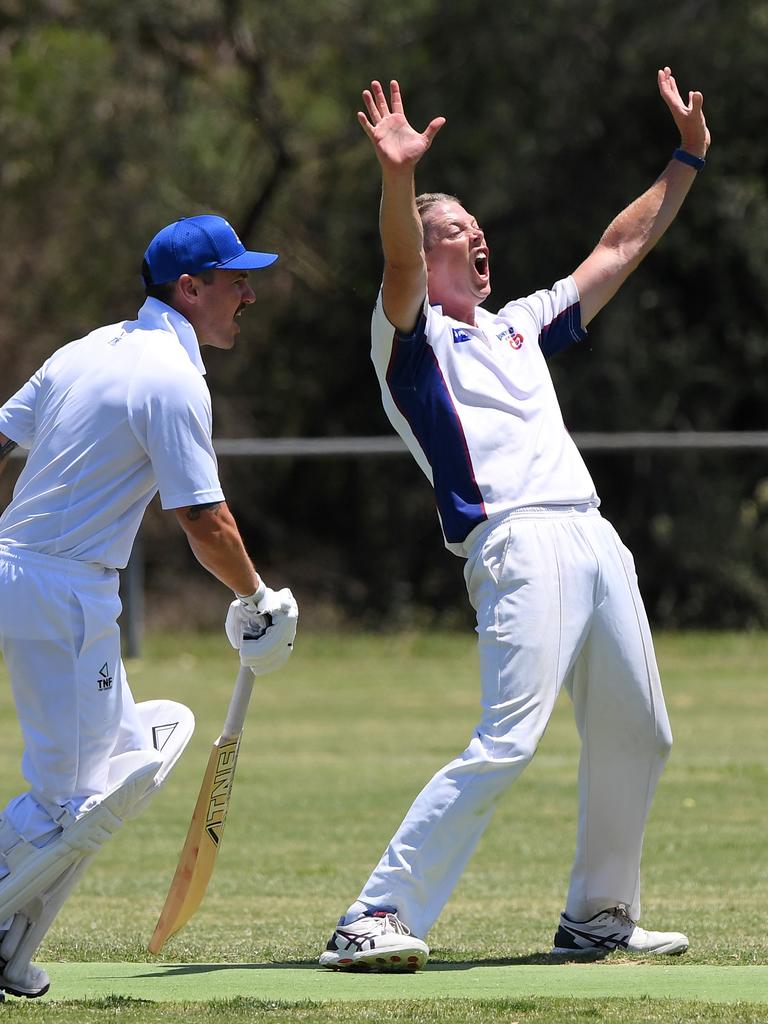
(238, 705)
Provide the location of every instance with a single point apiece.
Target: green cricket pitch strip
(293, 983)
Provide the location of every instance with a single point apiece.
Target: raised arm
(399, 147)
(637, 229)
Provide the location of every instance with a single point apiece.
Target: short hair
(424, 204)
(165, 292)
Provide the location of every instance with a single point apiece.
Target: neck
(458, 310)
(456, 306)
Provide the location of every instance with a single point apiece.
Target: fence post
(132, 596)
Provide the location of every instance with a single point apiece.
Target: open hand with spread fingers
(694, 134)
(398, 146)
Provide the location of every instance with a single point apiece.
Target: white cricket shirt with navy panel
(477, 408)
(109, 420)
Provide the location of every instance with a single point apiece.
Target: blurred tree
(117, 118)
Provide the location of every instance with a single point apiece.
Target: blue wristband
(698, 163)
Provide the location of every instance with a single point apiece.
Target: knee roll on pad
(169, 726)
(33, 869)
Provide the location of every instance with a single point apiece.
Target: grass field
(335, 748)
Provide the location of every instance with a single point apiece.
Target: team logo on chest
(510, 335)
(459, 334)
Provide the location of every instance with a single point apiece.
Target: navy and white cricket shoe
(31, 981)
(377, 941)
(613, 929)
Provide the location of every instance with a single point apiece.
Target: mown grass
(401, 1011)
(337, 745)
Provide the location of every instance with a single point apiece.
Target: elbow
(620, 249)
(406, 269)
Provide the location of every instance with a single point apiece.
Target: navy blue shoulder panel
(562, 332)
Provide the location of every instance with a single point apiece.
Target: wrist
(696, 147)
(690, 159)
(252, 601)
(399, 178)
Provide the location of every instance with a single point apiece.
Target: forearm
(639, 227)
(227, 560)
(402, 236)
(630, 237)
(216, 543)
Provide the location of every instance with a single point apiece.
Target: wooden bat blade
(198, 855)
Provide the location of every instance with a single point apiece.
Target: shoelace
(621, 913)
(393, 923)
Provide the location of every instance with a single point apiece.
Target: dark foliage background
(117, 118)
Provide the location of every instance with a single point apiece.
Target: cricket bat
(198, 854)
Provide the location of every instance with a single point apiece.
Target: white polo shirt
(109, 420)
(478, 410)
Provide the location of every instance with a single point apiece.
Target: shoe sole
(403, 961)
(11, 991)
(596, 952)
(675, 950)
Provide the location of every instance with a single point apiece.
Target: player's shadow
(178, 970)
(543, 958)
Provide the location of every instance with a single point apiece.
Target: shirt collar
(479, 314)
(156, 315)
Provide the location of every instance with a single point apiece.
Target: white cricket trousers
(61, 644)
(557, 605)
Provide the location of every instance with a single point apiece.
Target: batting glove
(262, 626)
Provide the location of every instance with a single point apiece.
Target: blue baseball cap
(194, 244)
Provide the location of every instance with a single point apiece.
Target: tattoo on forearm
(195, 511)
(7, 448)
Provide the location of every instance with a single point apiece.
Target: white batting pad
(169, 725)
(33, 869)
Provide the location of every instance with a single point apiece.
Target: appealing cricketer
(553, 587)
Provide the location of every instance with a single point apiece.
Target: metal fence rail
(132, 587)
(683, 440)
(315, 447)
(391, 444)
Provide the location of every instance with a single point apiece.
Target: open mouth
(481, 264)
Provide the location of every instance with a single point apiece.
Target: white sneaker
(613, 929)
(31, 982)
(377, 941)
